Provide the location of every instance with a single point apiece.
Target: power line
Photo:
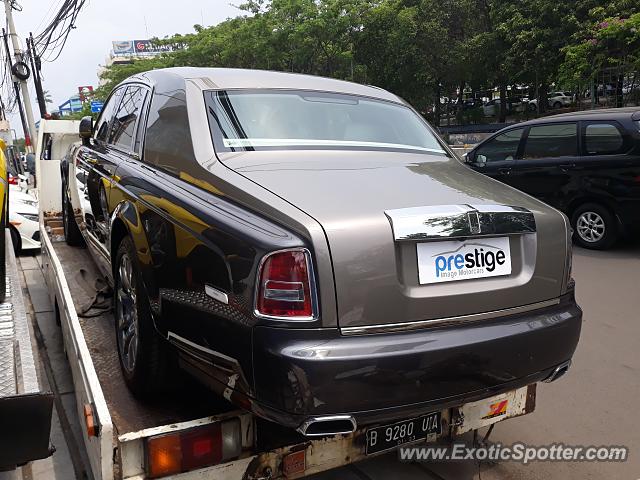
(49, 44)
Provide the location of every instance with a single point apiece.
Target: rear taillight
(285, 286)
(13, 180)
(193, 449)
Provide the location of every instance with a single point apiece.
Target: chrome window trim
(439, 322)
(459, 221)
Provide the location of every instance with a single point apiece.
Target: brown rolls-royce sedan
(312, 251)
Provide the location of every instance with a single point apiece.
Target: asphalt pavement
(595, 404)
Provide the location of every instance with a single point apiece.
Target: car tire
(531, 107)
(557, 105)
(146, 361)
(72, 233)
(16, 240)
(594, 227)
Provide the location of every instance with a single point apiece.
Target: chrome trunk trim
(459, 221)
(439, 322)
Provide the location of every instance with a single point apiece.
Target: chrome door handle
(504, 171)
(567, 166)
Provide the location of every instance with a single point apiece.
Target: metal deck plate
(17, 366)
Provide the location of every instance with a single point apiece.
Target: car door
(496, 157)
(549, 160)
(105, 158)
(610, 167)
(86, 176)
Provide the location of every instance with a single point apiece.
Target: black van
(586, 164)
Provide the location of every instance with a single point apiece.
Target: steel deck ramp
(25, 407)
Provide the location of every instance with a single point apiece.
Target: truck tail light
(285, 286)
(192, 449)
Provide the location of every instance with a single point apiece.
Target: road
(594, 404)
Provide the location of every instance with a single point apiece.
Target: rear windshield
(295, 119)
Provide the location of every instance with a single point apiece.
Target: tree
(610, 42)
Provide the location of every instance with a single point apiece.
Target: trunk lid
(380, 209)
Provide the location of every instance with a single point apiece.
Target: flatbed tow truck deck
(120, 430)
(127, 414)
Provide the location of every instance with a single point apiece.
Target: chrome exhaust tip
(329, 425)
(559, 371)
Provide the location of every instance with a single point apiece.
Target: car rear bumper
(302, 373)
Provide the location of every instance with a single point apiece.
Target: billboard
(139, 47)
(85, 92)
(123, 47)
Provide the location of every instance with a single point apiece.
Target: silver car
(311, 250)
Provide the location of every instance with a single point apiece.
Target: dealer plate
(463, 260)
(391, 436)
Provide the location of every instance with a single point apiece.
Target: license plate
(391, 436)
(463, 260)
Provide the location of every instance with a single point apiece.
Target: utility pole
(35, 70)
(25, 127)
(19, 58)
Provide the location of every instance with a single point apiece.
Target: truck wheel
(72, 234)
(145, 359)
(594, 227)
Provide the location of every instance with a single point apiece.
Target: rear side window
(168, 143)
(550, 141)
(503, 147)
(602, 139)
(124, 121)
(104, 122)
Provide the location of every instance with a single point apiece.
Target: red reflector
(201, 447)
(285, 285)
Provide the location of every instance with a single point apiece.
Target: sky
(99, 23)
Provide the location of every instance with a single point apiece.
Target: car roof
(602, 114)
(238, 78)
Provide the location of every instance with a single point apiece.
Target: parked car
(23, 221)
(492, 108)
(295, 241)
(586, 164)
(554, 99)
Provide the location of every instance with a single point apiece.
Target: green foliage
(115, 74)
(19, 144)
(419, 49)
(85, 112)
(609, 42)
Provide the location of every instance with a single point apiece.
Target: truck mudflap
(25, 406)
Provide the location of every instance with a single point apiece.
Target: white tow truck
(192, 435)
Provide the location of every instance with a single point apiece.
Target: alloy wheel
(127, 314)
(590, 227)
